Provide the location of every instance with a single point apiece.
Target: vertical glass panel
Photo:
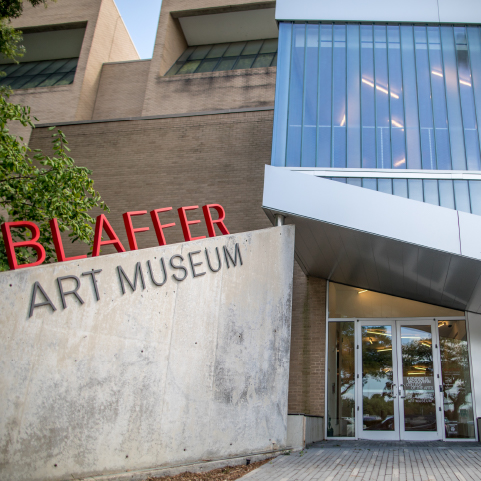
(279, 140)
(475, 194)
(252, 47)
(367, 98)
(369, 184)
(383, 131)
(413, 145)
(446, 194)
(418, 378)
(467, 99)
(440, 114)
(431, 195)
(474, 42)
(461, 195)
(294, 133)
(309, 132)
(428, 149)
(200, 52)
(325, 98)
(384, 185)
(415, 189)
(340, 380)
(339, 98)
(455, 368)
(356, 182)
(400, 187)
(353, 98)
(354, 302)
(377, 378)
(452, 99)
(396, 98)
(217, 50)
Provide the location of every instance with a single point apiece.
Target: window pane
(353, 98)
(367, 98)
(400, 187)
(263, 60)
(413, 144)
(415, 189)
(54, 66)
(226, 64)
(174, 69)
(309, 130)
(356, 182)
(396, 99)
(200, 52)
(34, 81)
(431, 192)
(51, 80)
(475, 194)
(23, 69)
(186, 54)
(244, 62)
(65, 80)
(341, 380)
(384, 185)
(428, 149)
(295, 97)
(66, 67)
(446, 194)
(269, 46)
(339, 97)
(208, 65)
(189, 67)
(383, 132)
(461, 195)
(369, 184)
(217, 50)
(440, 115)
(474, 42)
(274, 61)
(252, 48)
(325, 99)
(455, 368)
(235, 49)
(467, 100)
(452, 99)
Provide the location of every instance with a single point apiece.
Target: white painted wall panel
(361, 209)
(460, 11)
(470, 234)
(354, 10)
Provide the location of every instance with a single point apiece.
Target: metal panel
(461, 11)
(360, 247)
(353, 10)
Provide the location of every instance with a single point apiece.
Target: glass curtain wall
(461, 195)
(378, 96)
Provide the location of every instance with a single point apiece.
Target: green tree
(34, 186)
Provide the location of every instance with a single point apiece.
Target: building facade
(356, 123)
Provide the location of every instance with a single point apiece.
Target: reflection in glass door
(379, 386)
(419, 402)
(397, 393)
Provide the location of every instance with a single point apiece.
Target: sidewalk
(376, 461)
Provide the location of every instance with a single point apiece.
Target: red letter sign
(158, 226)
(210, 223)
(185, 223)
(10, 245)
(103, 223)
(130, 228)
(57, 242)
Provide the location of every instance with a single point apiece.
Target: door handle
(393, 391)
(402, 394)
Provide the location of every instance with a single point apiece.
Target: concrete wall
(189, 371)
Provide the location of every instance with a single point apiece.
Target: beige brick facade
(195, 160)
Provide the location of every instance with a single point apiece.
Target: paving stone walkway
(376, 461)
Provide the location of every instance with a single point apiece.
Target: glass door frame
(415, 320)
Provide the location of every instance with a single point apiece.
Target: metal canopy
(378, 241)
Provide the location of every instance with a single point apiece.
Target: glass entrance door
(398, 374)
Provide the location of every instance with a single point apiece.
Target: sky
(141, 18)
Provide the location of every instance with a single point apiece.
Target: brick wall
(148, 164)
(121, 90)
